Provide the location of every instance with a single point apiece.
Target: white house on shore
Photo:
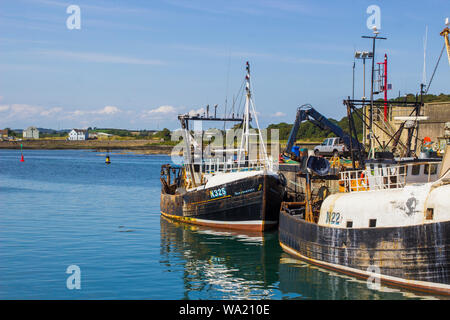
(78, 134)
(30, 133)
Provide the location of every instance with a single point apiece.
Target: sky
(137, 64)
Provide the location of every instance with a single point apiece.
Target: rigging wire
(434, 71)
(236, 97)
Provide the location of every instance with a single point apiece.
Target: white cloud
(13, 113)
(16, 115)
(21, 110)
(279, 114)
(4, 108)
(195, 112)
(163, 109)
(108, 110)
(162, 112)
(23, 115)
(50, 112)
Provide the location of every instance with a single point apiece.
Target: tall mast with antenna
(424, 73)
(375, 37)
(244, 140)
(226, 90)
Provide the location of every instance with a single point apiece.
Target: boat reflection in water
(221, 264)
(299, 279)
(224, 264)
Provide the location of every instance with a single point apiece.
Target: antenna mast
(424, 74)
(245, 142)
(372, 147)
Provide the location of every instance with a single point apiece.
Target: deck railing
(212, 166)
(388, 177)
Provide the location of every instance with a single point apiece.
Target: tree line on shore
(307, 130)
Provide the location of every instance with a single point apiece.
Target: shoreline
(127, 146)
(134, 146)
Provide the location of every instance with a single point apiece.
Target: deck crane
(416, 110)
(445, 34)
(396, 138)
(307, 112)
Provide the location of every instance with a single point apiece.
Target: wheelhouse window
(430, 169)
(415, 170)
(429, 214)
(372, 223)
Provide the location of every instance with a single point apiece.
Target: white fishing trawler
(390, 217)
(402, 230)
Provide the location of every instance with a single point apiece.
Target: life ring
(363, 181)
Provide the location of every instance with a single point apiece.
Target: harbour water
(67, 207)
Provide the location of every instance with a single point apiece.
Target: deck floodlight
(363, 55)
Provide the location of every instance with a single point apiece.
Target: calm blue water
(62, 208)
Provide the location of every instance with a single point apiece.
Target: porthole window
(372, 223)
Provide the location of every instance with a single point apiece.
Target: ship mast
(245, 141)
(371, 134)
(245, 134)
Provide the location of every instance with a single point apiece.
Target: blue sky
(137, 64)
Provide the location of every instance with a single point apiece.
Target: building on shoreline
(30, 133)
(78, 134)
(4, 133)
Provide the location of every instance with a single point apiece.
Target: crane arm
(445, 34)
(307, 112)
(299, 118)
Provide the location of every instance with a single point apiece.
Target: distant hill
(426, 98)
